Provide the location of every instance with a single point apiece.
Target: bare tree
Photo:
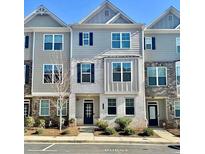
(60, 79)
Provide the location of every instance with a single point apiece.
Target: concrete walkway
(166, 135)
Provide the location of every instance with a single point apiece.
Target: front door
(88, 112)
(152, 113)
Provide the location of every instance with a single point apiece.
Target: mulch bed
(175, 132)
(99, 133)
(73, 131)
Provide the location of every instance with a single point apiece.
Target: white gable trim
(178, 27)
(170, 9)
(43, 10)
(99, 8)
(113, 18)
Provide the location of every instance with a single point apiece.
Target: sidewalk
(166, 138)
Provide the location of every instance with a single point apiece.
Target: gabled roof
(41, 10)
(100, 7)
(170, 9)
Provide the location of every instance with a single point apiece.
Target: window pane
(130, 110)
(115, 36)
(148, 46)
(44, 111)
(85, 42)
(48, 46)
(47, 68)
(86, 68)
(125, 36)
(177, 113)
(58, 46)
(116, 67)
(85, 77)
(111, 102)
(111, 110)
(126, 67)
(111, 106)
(162, 80)
(129, 102)
(57, 68)
(44, 103)
(115, 44)
(161, 72)
(85, 35)
(151, 71)
(126, 76)
(47, 78)
(125, 44)
(48, 38)
(152, 81)
(58, 39)
(58, 78)
(116, 76)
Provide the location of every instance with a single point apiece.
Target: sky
(72, 11)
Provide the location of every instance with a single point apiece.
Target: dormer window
(107, 13)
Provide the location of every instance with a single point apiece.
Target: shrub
(72, 120)
(123, 122)
(148, 132)
(39, 131)
(129, 131)
(40, 123)
(102, 124)
(110, 131)
(29, 122)
(25, 130)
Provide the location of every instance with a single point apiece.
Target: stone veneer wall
(53, 110)
(169, 92)
(27, 87)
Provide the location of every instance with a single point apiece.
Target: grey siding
(102, 42)
(42, 21)
(96, 87)
(48, 57)
(165, 48)
(100, 17)
(165, 23)
(120, 20)
(28, 51)
(123, 87)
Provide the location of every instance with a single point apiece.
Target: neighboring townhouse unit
(162, 65)
(107, 68)
(47, 52)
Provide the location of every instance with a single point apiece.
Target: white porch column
(72, 106)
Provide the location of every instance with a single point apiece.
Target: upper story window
(26, 74)
(85, 73)
(112, 109)
(157, 76)
(149, 43)
(107, 13)
(120, 40)
(178, 44)
(53, 42)
(177, 73)
(64, 108)
(52, 73)
(129, 105)
(26, 42)
(86, 38)
(170, 17)
(44, 109)
(121, 71)
(177, 109)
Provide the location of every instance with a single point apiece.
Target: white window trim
(121, 63)
(156, 77)
(177, 64)
(121, 40)
(81, 67)
(48, 108)
(148, 43)
(52, 73)
(111, 115)
(108, 12)
(86, 39)
(62, 108)
(53, 42)
(178, 52)
(175, 108)
(129, 115)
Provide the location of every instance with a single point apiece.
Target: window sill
(53, 50)
(44, 115)
(111, 115)
(127, 115)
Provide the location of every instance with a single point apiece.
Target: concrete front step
(87, 129)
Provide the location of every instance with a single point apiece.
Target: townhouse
(162, 69)
(107, 67)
